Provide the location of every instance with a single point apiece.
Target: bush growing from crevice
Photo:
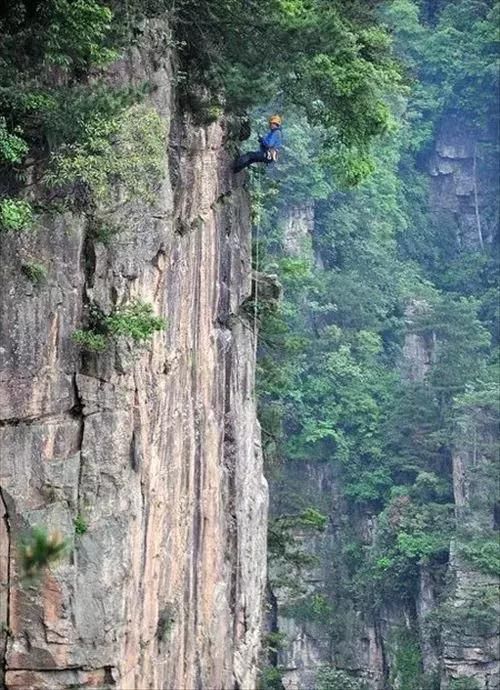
(314, 608)
(274, 641)
(127, 151)
(333, 679)
(38, 549)
(90, 340)
(135, 321)
(166, 620)
(204, 107)
(36, 273)
(102, 231)
(81, 525)
(16, 215)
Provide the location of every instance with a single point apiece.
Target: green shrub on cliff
(15, 215)
(12, 146)
(80, 524)
(36, 273)
(127, 152)
(38, 549)
(135, 321)
(90, 340)
(335, 679)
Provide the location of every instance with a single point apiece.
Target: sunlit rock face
(156, 449)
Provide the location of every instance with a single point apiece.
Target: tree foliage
(332, 59)
(134, 320)
(372, 273)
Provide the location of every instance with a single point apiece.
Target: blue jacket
(272, 140)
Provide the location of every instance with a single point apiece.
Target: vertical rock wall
(464, 182)
(156, 449)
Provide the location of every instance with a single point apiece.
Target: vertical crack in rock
(5, 549)
(77, 413)
(89, 260)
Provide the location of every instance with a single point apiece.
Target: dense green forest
(380, 265)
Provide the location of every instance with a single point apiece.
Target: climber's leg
(248, 158)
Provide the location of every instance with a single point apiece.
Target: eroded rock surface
(156, 450)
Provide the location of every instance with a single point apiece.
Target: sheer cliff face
(158, 450)
(464, 182)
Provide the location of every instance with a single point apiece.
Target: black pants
(248, 158)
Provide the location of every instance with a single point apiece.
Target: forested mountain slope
(379, 382)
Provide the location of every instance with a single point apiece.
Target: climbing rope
(258, 210)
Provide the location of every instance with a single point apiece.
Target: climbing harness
(272, 155)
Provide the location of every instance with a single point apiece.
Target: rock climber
(270, 144)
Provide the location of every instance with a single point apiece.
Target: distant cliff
(446, 634)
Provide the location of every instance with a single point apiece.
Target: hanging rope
(258, 210)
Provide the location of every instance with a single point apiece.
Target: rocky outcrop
(155, 452)
(464, 182)
(298, 229)
(419, 349)
(470, 636)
